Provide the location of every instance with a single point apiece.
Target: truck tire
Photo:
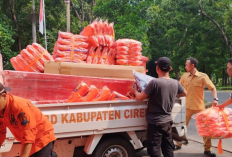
(114, 147)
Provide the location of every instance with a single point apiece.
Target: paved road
(222, 96)
(195, 147)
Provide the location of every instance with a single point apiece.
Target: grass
(224, 88)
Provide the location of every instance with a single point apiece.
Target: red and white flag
(41, 17)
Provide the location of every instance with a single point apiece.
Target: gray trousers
(45, 151)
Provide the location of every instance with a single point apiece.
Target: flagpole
(33, 22)
(44, 25)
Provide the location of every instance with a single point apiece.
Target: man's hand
(215, 103)
(220, 106)
(133, 89)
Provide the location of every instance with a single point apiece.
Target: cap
(3, 88)
(164, 63)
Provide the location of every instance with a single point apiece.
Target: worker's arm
(226, 103)
(181, 91)
(26, 118)
(140, 96)
(182, 94)
(214, 94)
(26, 149)
(211, 87)
(146, 92)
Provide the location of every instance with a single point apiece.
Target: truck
(97, 129)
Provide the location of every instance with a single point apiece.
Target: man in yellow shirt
(194, 82)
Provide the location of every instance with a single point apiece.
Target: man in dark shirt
(162, 93)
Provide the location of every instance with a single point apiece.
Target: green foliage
(129, 17)
(179, 31)
(172, 28)
(7, 33)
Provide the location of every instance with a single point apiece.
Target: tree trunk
(91, 16)
(203, 68)
(16, 23)
(83, 15)
(229, 81)
(177, 72)
(223, 77)
(228, 44)
(78, 16)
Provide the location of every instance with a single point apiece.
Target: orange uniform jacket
(26, 123)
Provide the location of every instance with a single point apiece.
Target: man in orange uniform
(27, 124)
(194, 82)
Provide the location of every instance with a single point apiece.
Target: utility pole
(33, 22)
(67, 2)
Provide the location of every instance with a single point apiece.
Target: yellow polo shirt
(194, 85)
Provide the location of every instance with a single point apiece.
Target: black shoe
(177, 147)
(209, 153)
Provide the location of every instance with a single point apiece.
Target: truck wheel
(114, 147)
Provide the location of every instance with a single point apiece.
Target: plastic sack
(128, 52)
(15, 64)
(24, 64)
(67, 35)
(29, 58)
(91, 55)
(135, 63)
(101, 40)
(214, 123)
(81, 56)
(92, 94)
(99, 28)
(70, 47)
(42, 50)
(118, 96)
(103, 95)
(70, 42)
(81, 90)
(103, 57)
(68, 59)
(89, 30)
(122, 62)
(35, 53)
(127, 43)
(97, 55)
(142, 80)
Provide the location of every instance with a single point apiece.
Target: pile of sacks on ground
(85, 93)
(31, 59)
